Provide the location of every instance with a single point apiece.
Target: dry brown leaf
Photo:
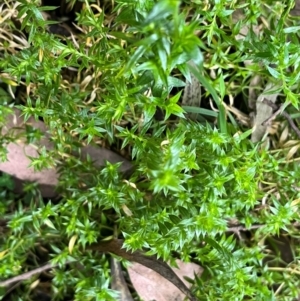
(152, 286)
(187, 269)
(284, 135)
(19, 152)
(115, 246)
(263, 112)
(290, 143)
(17, 164)
(292, 151)
(118, 282)
(192, 94)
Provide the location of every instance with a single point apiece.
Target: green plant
(192, 181)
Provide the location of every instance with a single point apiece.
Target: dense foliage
(192, 182)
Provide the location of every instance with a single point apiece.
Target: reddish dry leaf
(17, 157)
(152, 286)
(115, 246)
(18, 162)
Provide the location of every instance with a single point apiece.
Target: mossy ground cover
(213, 180)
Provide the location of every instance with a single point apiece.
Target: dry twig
(27, 275)
(277, 110)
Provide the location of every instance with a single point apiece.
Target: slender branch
(270, 104)
(279, 269)
(242, 228)
(285, 114)
(27, 275)
(237, 229)
(273, 116)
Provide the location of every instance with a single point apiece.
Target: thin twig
(270, 104)
(242, 228)
(27, 275)
(272, 117)
(279, 269)
(285, 114)
(291, 122)
(238, 228)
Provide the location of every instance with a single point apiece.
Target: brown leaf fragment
(263, 112)
(192, 94)
(19, 151)
(118, 282)
(187, 269)
(296, 10)
(115, 246)
(152, 286)
(100, 155)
